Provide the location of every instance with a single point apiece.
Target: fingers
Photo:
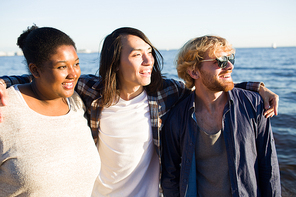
(276, 104)
(266, 103)
(1, 118)
(269, 113)
(3, 96)
(271, 106)
(3, 101)
(271, 101)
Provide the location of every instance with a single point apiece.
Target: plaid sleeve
(254, 86)
(87, 86)
(12, 80)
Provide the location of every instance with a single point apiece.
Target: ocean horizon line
(86, 51)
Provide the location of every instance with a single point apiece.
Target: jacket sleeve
(171, 160)
(269, 174)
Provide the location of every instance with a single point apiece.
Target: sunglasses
(222, 61)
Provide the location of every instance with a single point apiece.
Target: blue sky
(168, 24)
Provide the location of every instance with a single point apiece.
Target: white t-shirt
(130, 165)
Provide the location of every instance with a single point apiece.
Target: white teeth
(226, 76)
(68, 85)
(146, 72)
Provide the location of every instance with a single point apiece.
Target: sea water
(275, 67)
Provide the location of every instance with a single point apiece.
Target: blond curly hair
(193, 52)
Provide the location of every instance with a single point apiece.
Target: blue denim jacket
(251, 153)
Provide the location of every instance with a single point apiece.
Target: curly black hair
(39, 44)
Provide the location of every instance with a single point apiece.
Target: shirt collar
(192, 102)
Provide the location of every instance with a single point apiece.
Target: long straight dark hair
(110, 61)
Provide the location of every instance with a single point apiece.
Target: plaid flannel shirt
(160, 103)
(89, 89)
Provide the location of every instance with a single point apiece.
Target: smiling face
(59, 75)
(136, 63)
(214, 77)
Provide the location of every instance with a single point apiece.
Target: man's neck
(209, 107)
(209, 100)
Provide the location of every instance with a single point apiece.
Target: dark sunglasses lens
(222, 64)
(222, 61)
(232, 58)
(232, 61)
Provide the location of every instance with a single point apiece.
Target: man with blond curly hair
(216, 142)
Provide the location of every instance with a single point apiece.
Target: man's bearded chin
(228, 86)
(216, 86)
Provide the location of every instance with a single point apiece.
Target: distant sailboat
(273, 45)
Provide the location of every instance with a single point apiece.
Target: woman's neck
(38, 102)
